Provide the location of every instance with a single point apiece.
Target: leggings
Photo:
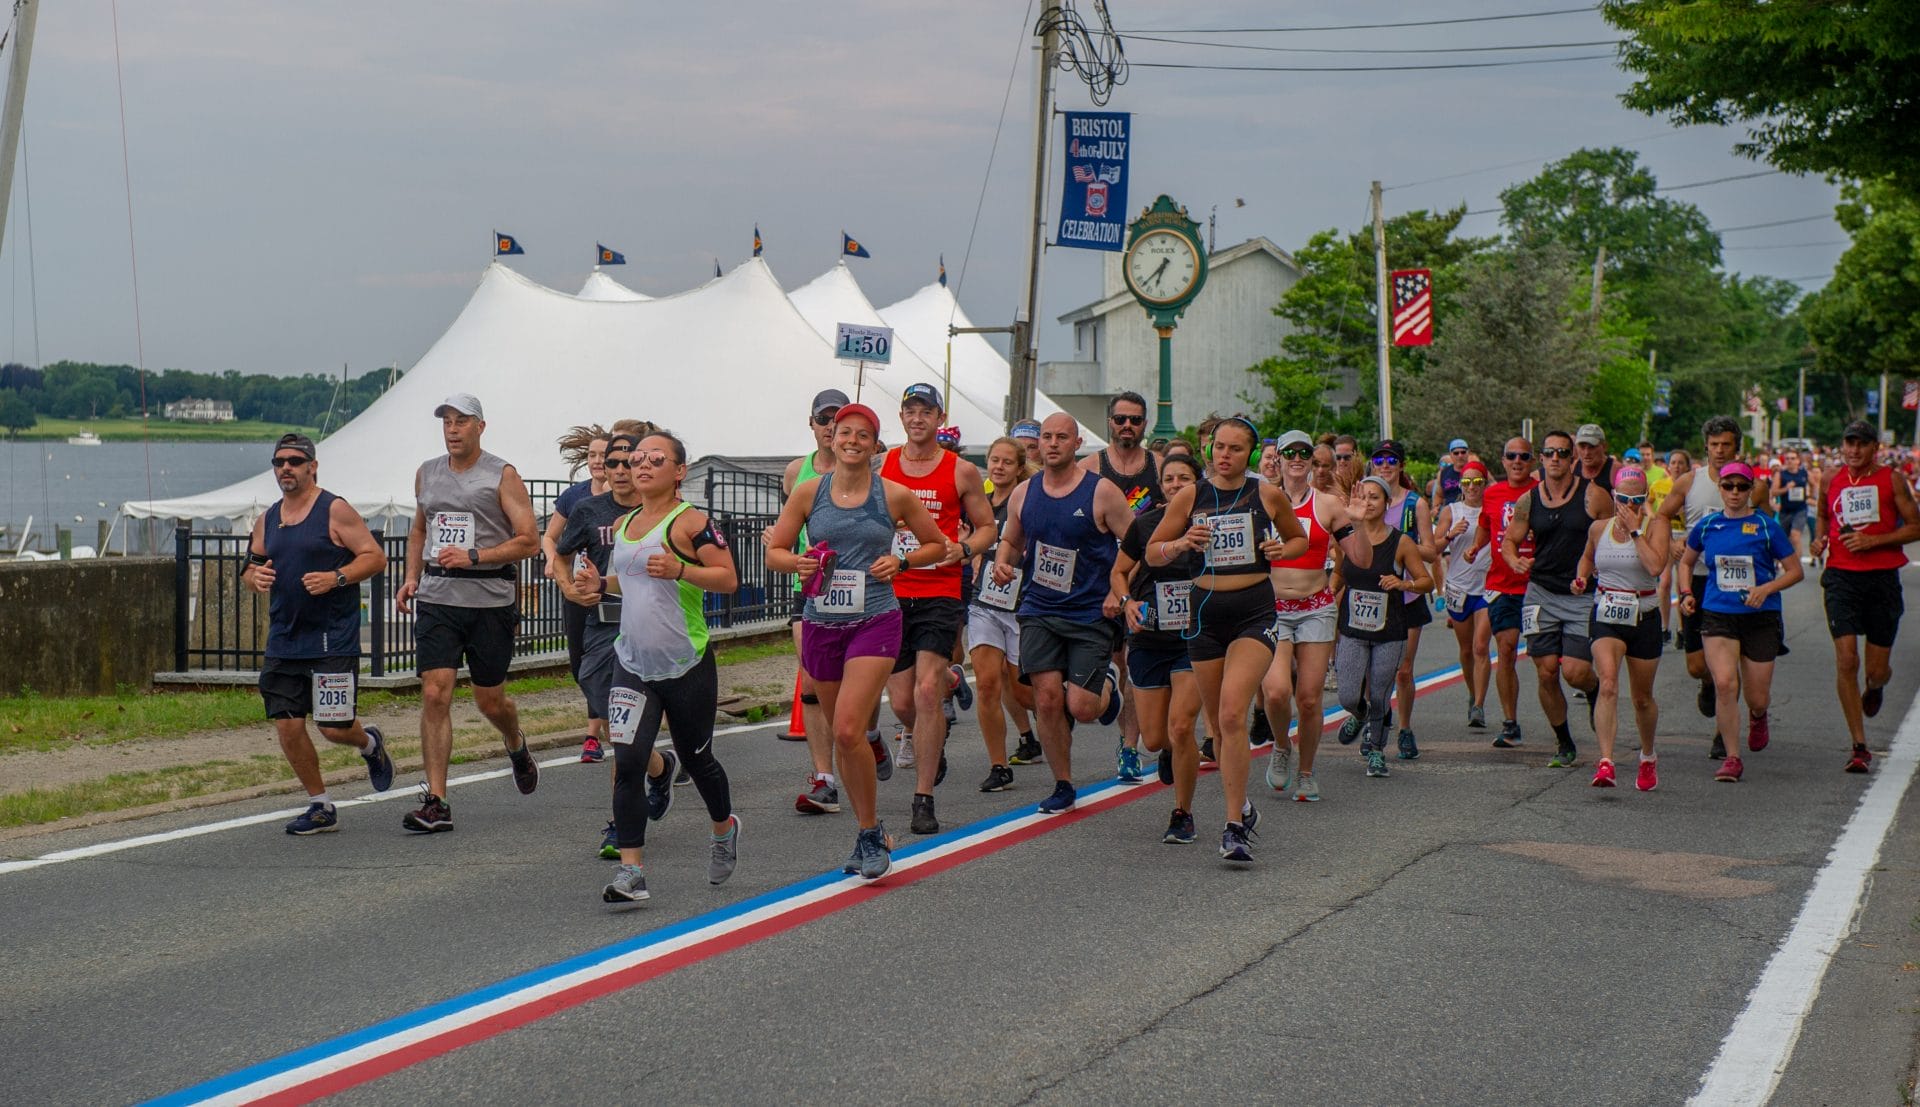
(688, 702)
(1361, 665)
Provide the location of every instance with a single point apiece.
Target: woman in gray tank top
(850, 634)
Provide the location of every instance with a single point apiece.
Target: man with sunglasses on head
(1506, 587)
(1866, 515)
(310, 552)
(1134, 470)
(1027, 433)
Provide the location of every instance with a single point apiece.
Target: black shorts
(1417, 613)
(1761, 634)
(1151, 668)
(1050, 644)
(1644, 639)
(286, 684)
(930, 623)
(1504, 611)
(444, 636)
(1690, 624)
(1863, 602)
(1223, 618)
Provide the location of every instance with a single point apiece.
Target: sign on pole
(1873, 401)
(871, 345)
(1093, 207)
(1910, 396)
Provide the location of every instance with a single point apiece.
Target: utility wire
(1369, 68)
(1376, 50)
(1775, 223)
(1719, 180)
(1356, 26)
(1792, 245)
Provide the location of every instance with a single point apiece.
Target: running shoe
(1250, 818)
(1705, 699)
(999, 779)
(591, 751)
(1165, 765)
(1305, 790)
(1131, 771)
(1112, 711)
(1409, 749)
(1280, 767)
(1861, 760)
(948, 711)
(1376, 762)
(379, 764)
(1261, 731)
(962, 691)
(724, 853)
(1759, 731)
(1591, 703)
(610, 843)
(942, 773)
(1870, 701)
(1180, 830)
(1719, 750)
(526, 773)
(924, 820)
(1476, 717)
(820, 798)
(872, 853)
(1234, 846)
(1509, 735)
(1603, 774)
(1350, 730)
(682, 778)
(629, 886)
(1649, 776)
(1207, 759)
(1062, 799)
(660, 788)
(433, 815)
(882, 764)
(318, 818)
(902, 747)
(1729, 771)
(1028, 752)
(1566, 757)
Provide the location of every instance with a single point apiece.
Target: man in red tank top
(1506, 586)
(1866, 514)
(951, 489)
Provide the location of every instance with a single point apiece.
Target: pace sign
(873, 345)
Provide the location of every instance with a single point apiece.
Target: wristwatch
(473, 555)
(339, 579)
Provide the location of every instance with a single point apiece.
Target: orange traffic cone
(796, 720)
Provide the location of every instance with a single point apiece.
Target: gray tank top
(857, 536)
(1703, 496)
(463, 510)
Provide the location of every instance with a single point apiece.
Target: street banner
(1910, 397)
(1093, 207)
(1806, 405)
(1873, 401)
(1413, 307)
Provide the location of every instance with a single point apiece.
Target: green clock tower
(1165, 267)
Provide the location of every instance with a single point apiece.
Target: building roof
(1219, 259)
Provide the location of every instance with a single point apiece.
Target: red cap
(861, 410)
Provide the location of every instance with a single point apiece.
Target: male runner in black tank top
(1130, 467)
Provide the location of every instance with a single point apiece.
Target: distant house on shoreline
(200, 411)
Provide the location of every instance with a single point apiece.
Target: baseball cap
(861, 410)
(1590, 434)
(1293, 438)
(294, 441)
(1632, 454)
(1027, 428)
(1390, 446)
(831, 399)
(922, 393)
(1457, 444)
(1736, 469)
(1861, 429)
(466, 403)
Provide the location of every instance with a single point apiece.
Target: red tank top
(940, 495)
(1496, 511)
(1866, 506)
(1317, 539)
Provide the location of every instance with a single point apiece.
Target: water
(78, 486)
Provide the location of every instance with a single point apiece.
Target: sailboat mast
(26, 14)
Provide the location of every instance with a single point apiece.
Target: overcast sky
(316, 184)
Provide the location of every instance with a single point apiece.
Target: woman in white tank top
(1621, 568)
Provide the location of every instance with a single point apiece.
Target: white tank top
(1703, 496)
(1464, 578)
(1617, 568)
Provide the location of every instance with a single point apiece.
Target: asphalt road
(1476, 928)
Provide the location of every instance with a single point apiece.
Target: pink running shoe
(1729, 771)
(1649, 777)
(1603, 774)
(1758, 732)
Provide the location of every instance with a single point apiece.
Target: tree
(1824, 87)
(1295, 398)
(1867, 319)
(16, 414)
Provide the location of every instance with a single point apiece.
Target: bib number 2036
(333, 697)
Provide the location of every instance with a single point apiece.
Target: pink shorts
(825, 648)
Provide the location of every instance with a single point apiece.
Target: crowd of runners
(1178, 603)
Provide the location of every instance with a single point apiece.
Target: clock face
(1162, 266)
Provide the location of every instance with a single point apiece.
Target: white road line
(1756, 1050)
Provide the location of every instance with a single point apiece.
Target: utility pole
(1800, 407)
(1646, 417)
(1599, 266)
(1883, 405)
(27, 13)
(1026, 352)
(1381, 315)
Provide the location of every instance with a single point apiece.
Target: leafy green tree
(16, 414)
(1824, 87)
(1867, 319)
(1294, 398)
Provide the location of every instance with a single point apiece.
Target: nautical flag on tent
(850, 248)
(756, 240)
(716, 267)
(609, 257)
(504, 244)
(943, 270)
(1412, 307)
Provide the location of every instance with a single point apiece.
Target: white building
(1227, 329)
(200, 411)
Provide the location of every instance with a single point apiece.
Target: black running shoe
(432, 816)
(1509, 735)
(999, 779)
(1206, 752)
(1166, 766)
(1705, 700)
(1028, 752)
(1261, 732)
(924, 821)
(379, 764)
(1871, 700)
(660, 788)
(1719, 750)
(941, 775)
(526, 774)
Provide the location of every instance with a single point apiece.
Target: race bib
(1733, 572)
(449, 528)
(333, 697)
(1620, 609)
(1003, 596)
(845, 594)
(1053, 567)
(1173, 604)
(1860, 505)
(1233, 542)
(1530, 619)
(905, 543)
(1366, 610)
(1455, 597)
(624, 706)
(1797, 493)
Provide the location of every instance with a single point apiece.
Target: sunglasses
(618, 463)
(657, 459)
(1519, 456)
(1384, 459)
(1296, 453)
(288, 462)
(1736, 486)
(1556, 451)
(821, 419)
(1127, 420)
(1631, 501)
(1343, 457)
(1472, 482)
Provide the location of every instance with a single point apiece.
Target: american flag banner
(1413, 307)
(1910, 397)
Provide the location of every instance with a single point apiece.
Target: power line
(1356, 26)
(1793, 245)
(1719, 180)
(1377, 50)
(1775, 223)
(1368, 68)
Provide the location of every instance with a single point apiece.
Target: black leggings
(688, 703)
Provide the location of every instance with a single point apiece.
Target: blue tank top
(1069, 559)
(857, 536)
(301, 625)
(1792, 494)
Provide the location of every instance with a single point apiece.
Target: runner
(1795, 491)
(1305, 618)
(1373, 621)
(1739, 610)
(472, 524)
(852, 634)
(1464, 585)
(1445, 488)
(1506, 585)
(582, 446)
(1867, 514)
(1621, 567)
(1158, 609)
(1659, 486)
(1590, 450)
(323, 548)
(1027, 433)
(1349, 466)
(952, 491)
(1135, 471)
(1240, 526)
(1412, 516)
(1558, 513)
(994, 633)
(1061, 529)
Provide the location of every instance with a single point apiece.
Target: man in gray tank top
(472, 524)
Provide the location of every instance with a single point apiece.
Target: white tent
(979, 372)
(599, 286)
(730, 366)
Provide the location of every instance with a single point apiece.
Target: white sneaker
(902, 748)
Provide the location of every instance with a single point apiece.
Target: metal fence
(221, 625)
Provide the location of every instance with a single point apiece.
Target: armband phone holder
(817, 583)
